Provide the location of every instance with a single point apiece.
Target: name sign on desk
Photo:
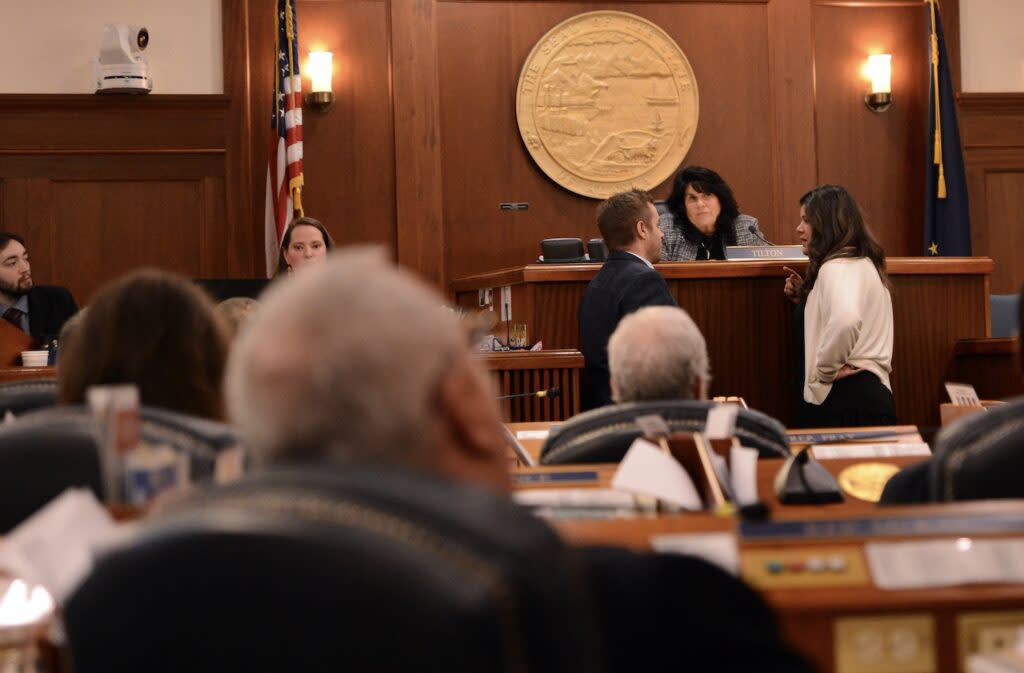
(948, 562)
(897, 526)
(847, 435)
(575, 477)
(737, 253)
(828, 451)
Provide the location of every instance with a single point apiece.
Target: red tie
(13, 316)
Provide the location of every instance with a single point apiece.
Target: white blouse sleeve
(839, 309)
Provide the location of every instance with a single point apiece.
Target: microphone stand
(753, 229)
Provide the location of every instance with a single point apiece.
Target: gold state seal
(866, 481)
(607, 101)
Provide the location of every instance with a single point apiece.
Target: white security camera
(121, 67)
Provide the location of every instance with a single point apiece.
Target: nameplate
(831, 451)
(737, 253)
(949, 524)
(845, 436)
(581, 476)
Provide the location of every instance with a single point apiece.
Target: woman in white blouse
(848, 323)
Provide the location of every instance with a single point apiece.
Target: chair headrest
(201, 438)
(386, 569)
(604, 435)
(980, 456)
(19, 397)
(562, 250)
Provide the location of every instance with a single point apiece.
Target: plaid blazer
(675, 247)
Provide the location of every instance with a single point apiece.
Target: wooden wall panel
(992, 127)
(781, 111)
(420, 201)
(1004, 203)
(483, 159)
(118, 183)
(349, 149)
(239, 204)
(879, 157)
(105, 229)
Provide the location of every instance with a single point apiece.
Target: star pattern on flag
(934, 248)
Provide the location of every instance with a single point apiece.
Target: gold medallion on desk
(607, 101)
(866, 481)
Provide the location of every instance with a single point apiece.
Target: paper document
(963, 394)
(829, 451)
(647, 470)
(55, 547)
(721, 421)
(744, 474)
(946, 562)
(532, 434)
(717, 548)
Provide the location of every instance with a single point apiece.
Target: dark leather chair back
(980, 456)
(357, 570)
(597, 250)
(603, 435)
(201, 438)
(47, 451)
(18, 397)
(37, 463)
(561, 251)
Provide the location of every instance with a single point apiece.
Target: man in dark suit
(36, 310)
(629, 224)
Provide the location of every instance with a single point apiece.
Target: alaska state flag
(947, 225)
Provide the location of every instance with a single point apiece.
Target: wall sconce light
(879, 69)
(320, 70)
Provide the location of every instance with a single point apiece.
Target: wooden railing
(528, 372)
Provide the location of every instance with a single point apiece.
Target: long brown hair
(838, 230)
(156, 330)
(286, 240)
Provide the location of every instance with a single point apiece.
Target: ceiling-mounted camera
(121, 68)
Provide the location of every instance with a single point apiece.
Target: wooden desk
(8, 374)
(992, 366)
(809, 615)
(519, 372)
(812, 616)
(900, 434)
(748, 324)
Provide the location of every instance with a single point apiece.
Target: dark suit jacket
(623, 285)
(49, 307)
(668, 612)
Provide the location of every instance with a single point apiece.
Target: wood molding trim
(794, 141)
(418, 179)
(559, 273)
(239, 137)
(992, 102)
(45, 102)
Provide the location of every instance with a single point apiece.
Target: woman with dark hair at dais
(703, 218)
(848, 321)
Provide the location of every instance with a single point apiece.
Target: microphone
(550, 392)
(753, 229)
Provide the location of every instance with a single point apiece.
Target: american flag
(284, 168)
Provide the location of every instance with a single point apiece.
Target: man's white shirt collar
(642, 259)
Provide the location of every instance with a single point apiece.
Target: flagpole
(294, 184)
(938, 114)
